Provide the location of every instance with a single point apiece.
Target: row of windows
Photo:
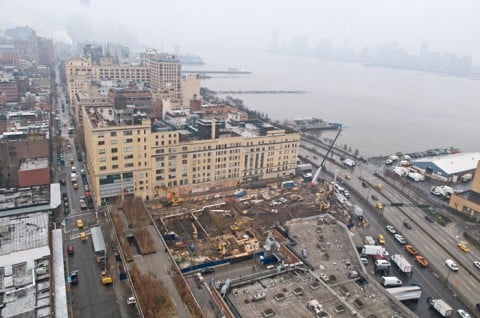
(101, 134)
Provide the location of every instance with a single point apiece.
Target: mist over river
(383, 110)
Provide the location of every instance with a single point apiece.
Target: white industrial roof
(456, 163)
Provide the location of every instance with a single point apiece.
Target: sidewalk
(159, 264)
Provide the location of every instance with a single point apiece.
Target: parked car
(374, 197)
(451, 264)
(364, 185)
(407, 224)
(70, 250)
(131, 300)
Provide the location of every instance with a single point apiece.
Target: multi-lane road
(435, 242)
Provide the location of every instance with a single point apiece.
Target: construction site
(233, 224)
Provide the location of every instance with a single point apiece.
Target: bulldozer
(171, 198)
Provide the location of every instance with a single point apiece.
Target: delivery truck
(441, 307)
(402, 263)
(374, 250)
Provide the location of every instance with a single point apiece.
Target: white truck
(442, 307)
(401, 263)
(73, 177)
(415, 176)
(374, 250)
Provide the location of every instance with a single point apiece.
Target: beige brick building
(140, 157)
(469, 202)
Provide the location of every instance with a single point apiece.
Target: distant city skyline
(214, 27)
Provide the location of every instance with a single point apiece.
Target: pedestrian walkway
(159, 264)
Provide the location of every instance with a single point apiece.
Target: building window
(102, 159)
(101, 142)
(113, 134)
(128, 149)
(114, 158)
(114, 166)
(129, 165)
(127, 157)
(101, 151)
(113, 141)
(103, 168)
(114, 150)
(128, 141)
(127, 133)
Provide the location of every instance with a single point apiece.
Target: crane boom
(317, 173)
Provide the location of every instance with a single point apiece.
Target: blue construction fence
(271, 259)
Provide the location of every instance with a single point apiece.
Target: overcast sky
(219, 25)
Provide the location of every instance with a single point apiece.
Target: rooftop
(34, 164)
(450, 164)
(12, 198)
(24, 238)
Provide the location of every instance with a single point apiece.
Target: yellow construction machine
(237, 226)
(170, 196)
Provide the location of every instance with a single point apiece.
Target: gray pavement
(159, 264)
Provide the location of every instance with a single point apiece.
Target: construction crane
(317, 173)
(172, 199)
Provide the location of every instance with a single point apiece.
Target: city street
(88, 297)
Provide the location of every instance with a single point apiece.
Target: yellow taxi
(378, 186)
(79, 223)
(83, 236)
(463, 247)
(381, 239)
(379, 205)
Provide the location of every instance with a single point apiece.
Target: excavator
(172, 199)
(237, 226)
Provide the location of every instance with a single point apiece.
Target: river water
(383, 110)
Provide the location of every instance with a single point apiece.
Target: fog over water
(383, 110)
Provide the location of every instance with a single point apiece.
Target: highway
(432, 240)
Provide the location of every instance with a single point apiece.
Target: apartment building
(80, 73)
(137, 156)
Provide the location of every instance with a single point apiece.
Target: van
(391, 281)
(382, 264)
(364, 260)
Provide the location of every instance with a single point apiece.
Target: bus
(98, 243)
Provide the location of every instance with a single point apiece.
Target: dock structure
(231, 72)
